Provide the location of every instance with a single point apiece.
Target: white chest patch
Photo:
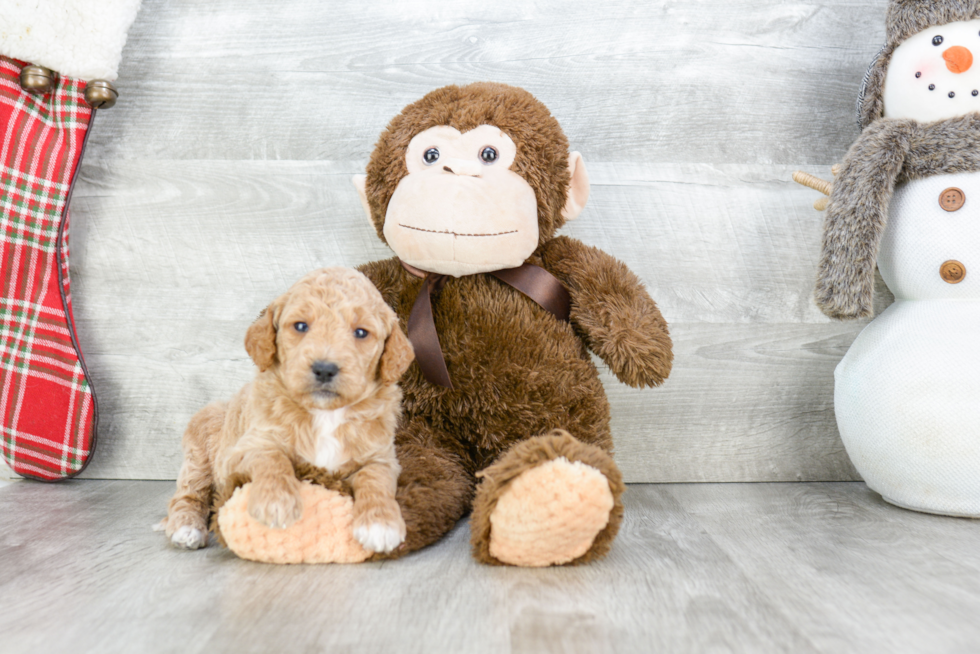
(330, 452)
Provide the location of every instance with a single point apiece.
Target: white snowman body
(907, 393)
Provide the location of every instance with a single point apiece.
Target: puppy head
(330, 339)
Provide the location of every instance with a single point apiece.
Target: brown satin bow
(533, 281)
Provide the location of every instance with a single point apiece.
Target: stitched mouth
(446, 231)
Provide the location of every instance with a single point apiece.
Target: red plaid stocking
(46, 402)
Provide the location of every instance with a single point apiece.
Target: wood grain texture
(702, 81)
(798, 568)
(222, 175)
(175, 258)
(853, 573)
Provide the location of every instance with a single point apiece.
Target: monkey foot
(563, 509)
(324, 534)
(550, 514)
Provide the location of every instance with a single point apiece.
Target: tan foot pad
(323, 535)
(550, 514)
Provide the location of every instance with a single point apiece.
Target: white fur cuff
(78, 38)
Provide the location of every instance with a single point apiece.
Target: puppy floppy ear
(397, 356)
(260, 339)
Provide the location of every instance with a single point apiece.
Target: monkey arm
(856, 217)
(612, 311)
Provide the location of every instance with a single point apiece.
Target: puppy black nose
(325, 372)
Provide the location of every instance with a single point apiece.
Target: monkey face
(932, 74)
(461, 210)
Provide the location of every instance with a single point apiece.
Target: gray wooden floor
(792, 567)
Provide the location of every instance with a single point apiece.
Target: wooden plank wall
(222, 175)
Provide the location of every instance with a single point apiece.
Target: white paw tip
(189, 538)
(160, 526)
(378, 537)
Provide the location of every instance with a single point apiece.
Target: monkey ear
(396, 358)
(360, 182)
(578, 187)
(260, 339)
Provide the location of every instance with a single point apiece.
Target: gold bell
(37, 79)
(101, 94)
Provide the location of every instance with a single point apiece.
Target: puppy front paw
(189, 538)
(185, 529)
(379, 528)
(276, 504)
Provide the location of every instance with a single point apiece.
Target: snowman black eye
(932, 87)
(918, 75)
(937, 40)
(952, 95)
(431, 156)
(489, 155)
(975, 93)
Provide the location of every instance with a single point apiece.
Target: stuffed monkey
(463, 183)
(504, 414)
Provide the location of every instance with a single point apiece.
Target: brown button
(952, 199)
(952, 272)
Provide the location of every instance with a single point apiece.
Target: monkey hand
(619, 320)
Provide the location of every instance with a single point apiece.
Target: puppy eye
(937, 40)
(489, 155)
(431, 156)
(301, 327)
(360, 333)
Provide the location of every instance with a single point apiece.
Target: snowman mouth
(950, 94)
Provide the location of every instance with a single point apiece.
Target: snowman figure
(907, 198)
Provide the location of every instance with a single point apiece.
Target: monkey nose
(463, 167)
(958, 59)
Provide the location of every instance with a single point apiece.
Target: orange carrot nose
(958, 59)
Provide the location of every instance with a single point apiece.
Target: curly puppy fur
(517, 372)
(905, 18)
(325, 393)
(889, 152)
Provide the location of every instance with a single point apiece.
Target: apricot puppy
(330, 354)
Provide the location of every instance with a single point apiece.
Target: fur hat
(905, 18)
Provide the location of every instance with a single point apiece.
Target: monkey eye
(360, 333)
(937, 40)
(489, 155)
(301, 327)
(431, 156)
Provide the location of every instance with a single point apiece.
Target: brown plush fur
(905, 18)
(887, 153)
(517, 371)
(535, 451)
(270, 427)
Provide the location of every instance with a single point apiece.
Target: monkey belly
(517, 372)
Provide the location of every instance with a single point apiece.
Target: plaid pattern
(47, 407)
